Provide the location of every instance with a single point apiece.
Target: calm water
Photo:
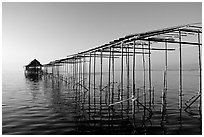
(40, 107)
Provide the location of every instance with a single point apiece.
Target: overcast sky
(48, 31)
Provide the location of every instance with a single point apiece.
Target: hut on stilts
(33, 69)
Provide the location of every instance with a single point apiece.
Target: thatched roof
(34, 63)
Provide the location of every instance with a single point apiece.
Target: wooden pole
(180, 75)
(150, 76)
(101, 82)
(144, 81)
(89, 95)
(164, 93)
(133, 82)
(109, 76)
(112, 78)
(200, 74)
(94, 81)
(84, 82)
(121, 80)
(128, 79)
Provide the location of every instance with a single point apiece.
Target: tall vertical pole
(89, 96)
(180, 74)
(112, 77)
(164, 93)
(109, 75)
(77, 79)
(150, 77)
(58, 74)
(128, 77)
(73, 74)
(200, 74)
(121, 79)
(112, 101)
(101, 82)
(84, 67)
(94, 81)
(109, 82)
(80, 81)
(112, 90)
(133, 82)
(144, 80)
(67, 71)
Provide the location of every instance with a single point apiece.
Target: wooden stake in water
(89, 95)
(94, 80)
(101, 82)
(164, 93)
(200, 74)
(112, 101)
(180, 75)
(144, 82)
(133, 82)
(109, 75)
(128, 79)
(121, 79)
(84, 82)
(150, 77)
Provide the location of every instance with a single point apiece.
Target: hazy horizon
(48, 31)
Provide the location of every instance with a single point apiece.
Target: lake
(47, 106)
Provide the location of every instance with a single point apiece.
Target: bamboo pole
(101, 82)
(121, 80)
(133, 82)
(200, 74)
(89, 94)
(94, 81)
(144, 82)
(164, 93)
(113, 77)
(83, 84)
(128, 79)
(180, 75)
(150, 76)
(109, 76)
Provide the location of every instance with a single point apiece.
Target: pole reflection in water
(102, 118)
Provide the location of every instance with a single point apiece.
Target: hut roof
(34, 63)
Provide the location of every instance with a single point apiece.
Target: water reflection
(95, 117)
(51, 106)
(34, 77)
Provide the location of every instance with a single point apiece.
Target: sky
(49, 31)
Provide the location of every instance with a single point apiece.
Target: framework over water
(104, 79)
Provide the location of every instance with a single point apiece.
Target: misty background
(49, 31)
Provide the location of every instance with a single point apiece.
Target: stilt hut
(34, 68)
